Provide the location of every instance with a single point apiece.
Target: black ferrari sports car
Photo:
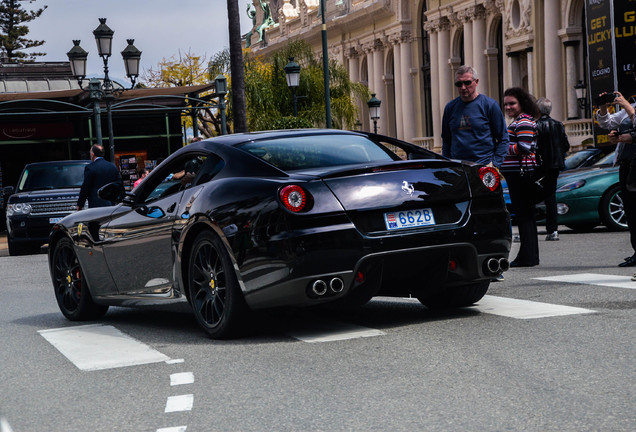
(286, 218)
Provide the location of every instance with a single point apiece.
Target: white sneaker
(552, 236)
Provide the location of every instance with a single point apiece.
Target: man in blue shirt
(473, 125)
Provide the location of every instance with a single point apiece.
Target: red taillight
(490, 177)
(294, 198)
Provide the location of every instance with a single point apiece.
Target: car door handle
(171, 208)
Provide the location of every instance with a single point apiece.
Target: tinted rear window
(45, 177)
(316, 151)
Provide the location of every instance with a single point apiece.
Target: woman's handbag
(532, 180)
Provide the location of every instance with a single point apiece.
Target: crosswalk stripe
(97, 347)
(524, 309)
(323, 330)
(594, 279)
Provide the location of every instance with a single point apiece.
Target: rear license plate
(55, 220)
(409, 219)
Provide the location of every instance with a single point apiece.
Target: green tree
(269, 99)
(188, 69)
(13, 31)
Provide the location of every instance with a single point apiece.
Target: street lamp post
(581, 96)
(292, 73)
(220, 87)
(104, 90)
(374, 111)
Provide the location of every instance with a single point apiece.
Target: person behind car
(521, 107)
(620, 125)
(98, 173)
(552, 146)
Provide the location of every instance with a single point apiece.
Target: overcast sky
(160, 28)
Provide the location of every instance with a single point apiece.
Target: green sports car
(587, 197)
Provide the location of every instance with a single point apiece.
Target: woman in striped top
(520, 106)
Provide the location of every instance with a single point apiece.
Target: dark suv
(46, 192)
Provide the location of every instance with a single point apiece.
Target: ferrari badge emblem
(407, 187)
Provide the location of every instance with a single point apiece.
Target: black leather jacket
(552, 142)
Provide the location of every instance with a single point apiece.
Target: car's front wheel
(215, 295)
(612, 210)
(459, 296)
(71, 290)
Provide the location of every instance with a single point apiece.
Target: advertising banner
(600, 46)
(625, 41)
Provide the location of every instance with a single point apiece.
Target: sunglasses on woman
(461, 83)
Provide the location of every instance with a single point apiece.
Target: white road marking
(180, 403)
(97, 347)
(175, 361)
(524, 309)
(331, 330)
(181, 378)
(4, 425)
(594, 279)
(173, 429)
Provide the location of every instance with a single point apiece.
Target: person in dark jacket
(552, 146)
(98, 173)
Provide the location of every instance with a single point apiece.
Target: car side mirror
(114, 192)
(8, 190)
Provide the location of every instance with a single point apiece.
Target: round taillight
(490, 177)
(293, 197)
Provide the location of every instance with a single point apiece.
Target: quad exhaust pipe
(320, 287)
(496, 266)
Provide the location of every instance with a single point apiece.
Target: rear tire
(453, 297)
(71, 290)
(215, 295)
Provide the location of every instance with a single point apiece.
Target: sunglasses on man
(461, 83)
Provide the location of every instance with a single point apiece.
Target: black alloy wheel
(453, 297)
(216, 298)
(71, 290)
(612, 210)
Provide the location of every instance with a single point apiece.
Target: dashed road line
(181, 378)
(179, 403)
(173, 429)
(594, 279)
(97, 347)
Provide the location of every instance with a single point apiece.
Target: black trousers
(629, 201)
(549, 184)
(525, 217)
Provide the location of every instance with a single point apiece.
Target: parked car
(579, 159)
(46, 192)
(590, 196)
(286, 218)
(583, 158)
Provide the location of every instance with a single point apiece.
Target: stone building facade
(406, 52)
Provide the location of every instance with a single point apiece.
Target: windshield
(42, 177)
(317, 151)
(576, 160)
(606, 160)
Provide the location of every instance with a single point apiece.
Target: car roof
(58, 163)
(238, 138)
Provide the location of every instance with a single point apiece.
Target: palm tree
(236, 67)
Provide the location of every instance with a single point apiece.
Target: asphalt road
(534, 355)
